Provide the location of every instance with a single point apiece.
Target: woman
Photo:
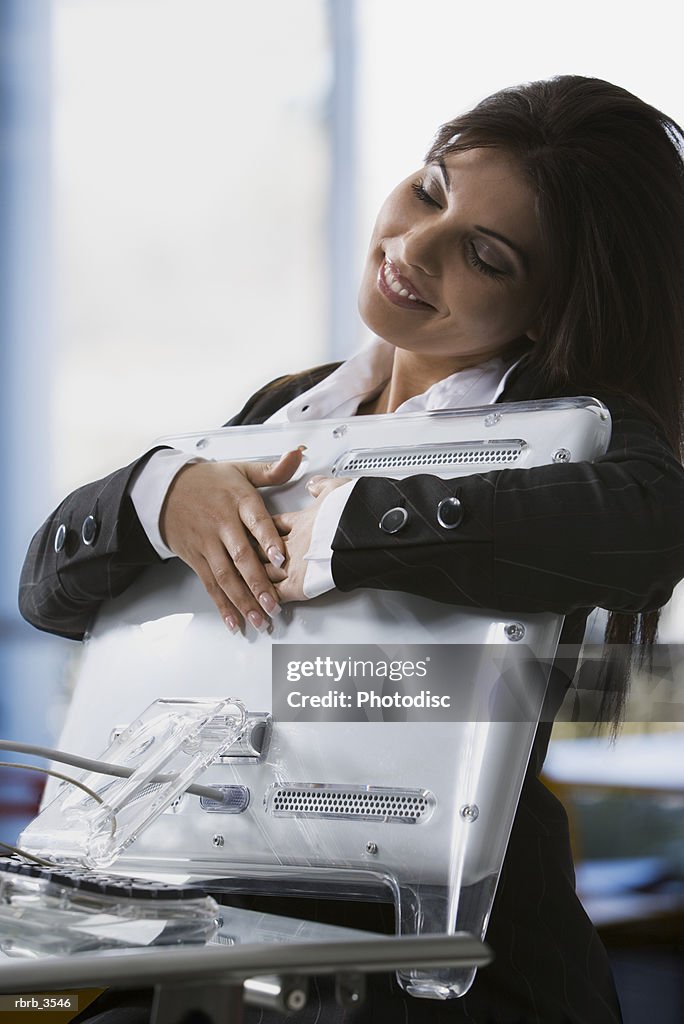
(538, 253)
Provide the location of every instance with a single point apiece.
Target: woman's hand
(210, 518)
(297, 529)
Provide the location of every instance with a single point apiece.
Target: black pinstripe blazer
(556, 538)
(562, 538)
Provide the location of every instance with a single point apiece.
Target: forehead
(489, 187)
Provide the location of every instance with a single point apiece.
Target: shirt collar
(362, 376)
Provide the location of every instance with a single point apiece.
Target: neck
(412, 374)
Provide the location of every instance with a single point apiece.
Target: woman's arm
(63, 584)
(94, 545)
(552, 538)
(65, 579)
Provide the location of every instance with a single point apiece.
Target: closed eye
(420, 192)
(474, 258)
(485, 268)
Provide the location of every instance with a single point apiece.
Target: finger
(269, 474)
(284, 523)
(275, 575)
(319, 485)
(284, 591)
(229, 613)
(259, 524)
(225, 578)
(314, 485)
(245, 562)
(267, 561)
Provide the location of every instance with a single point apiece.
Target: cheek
(475, 302)
(368, 297)
(370, 303)
(489, 309)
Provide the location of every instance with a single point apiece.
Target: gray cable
(26, 855)
(57, 775)
(100, 767)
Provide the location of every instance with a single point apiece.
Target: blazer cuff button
(89, 530)
(60, 537)
(393, 520)
(449, 513)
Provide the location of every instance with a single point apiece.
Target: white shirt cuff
(318, 578)
(148, 492)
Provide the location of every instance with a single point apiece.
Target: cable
(26, 855)
(56, 775)
(101, 767)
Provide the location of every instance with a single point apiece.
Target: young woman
(539, 252)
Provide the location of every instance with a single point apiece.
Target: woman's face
(454, 265)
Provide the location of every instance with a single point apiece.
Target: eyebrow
(488, 231)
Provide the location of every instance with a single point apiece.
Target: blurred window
(191, 166)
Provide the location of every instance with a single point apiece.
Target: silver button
(514, 631)
(60, 537)
(393, 520)
(89, 530)
(562, 455)
(449, 513)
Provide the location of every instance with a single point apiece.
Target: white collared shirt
(356, 381)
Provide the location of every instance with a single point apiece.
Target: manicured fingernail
(275, 556)
(258, 621)
(299, 448)
(231, 623)
(312, 481)
(269, 604)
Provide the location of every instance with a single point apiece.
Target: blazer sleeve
(552, 538)
(89, 549)
(65, 580)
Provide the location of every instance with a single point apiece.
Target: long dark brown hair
(608, 173)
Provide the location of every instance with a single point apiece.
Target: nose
(423, 246)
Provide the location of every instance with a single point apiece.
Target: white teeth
(396, 287)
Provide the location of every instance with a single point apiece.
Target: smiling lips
(399, 289)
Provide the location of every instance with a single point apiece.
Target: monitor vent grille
(410, 807)
(484, 454)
